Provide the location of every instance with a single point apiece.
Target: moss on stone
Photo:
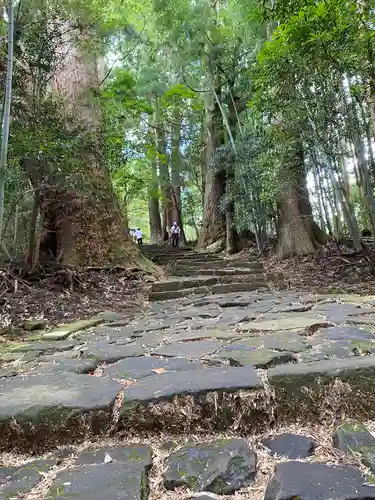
(62, 332)
(352, 426)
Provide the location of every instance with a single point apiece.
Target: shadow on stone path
(216, 350)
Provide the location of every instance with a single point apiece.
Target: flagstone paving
(206, 359)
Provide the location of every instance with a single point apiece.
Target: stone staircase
(194, 273)
(219, 394)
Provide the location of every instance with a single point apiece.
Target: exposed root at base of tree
(335, 268)
(56, 294)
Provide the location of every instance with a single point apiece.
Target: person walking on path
(175, 234)
(139, 236)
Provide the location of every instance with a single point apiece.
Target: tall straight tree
(6, 115)
(82, 220)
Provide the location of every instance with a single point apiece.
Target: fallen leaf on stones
(158, 370)
(108, 459)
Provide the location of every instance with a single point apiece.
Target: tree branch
(192, 88)
(119, 59)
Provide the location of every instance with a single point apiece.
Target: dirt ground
(53, 301)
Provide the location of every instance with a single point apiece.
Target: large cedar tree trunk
(176, 167)
(298, 232)
(165, 181)
(83, 225)
(156, 235)
(213, 224)
(232, 238)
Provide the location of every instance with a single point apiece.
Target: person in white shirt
(175, 234)
(139, 236)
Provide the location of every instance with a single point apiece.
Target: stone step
(188, 271)
(253, 367)
(219, 264)
(164, 253)
(168, 254)
(39, 410)
(165, 248)
(284, 466)
(211, 289)
(174, 284)
(167, 261)
(189, 258)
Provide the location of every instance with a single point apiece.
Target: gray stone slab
(292, 446)
(254, 310)
(358, 370)
(38, 397)
(178, 284)
(54, 365)
(6, 474)
(362, 311)
(25, 478)
(137, 454)
(313, 481)
(362, 320)
(341, 333)
(63, 331)
(47, 347)
(10, 371)
(296, 321)
(110, 353)
(222, 467)
(332, 351)
(147, 341)
(108, 332)
(337, 313)
(31, 357)
(227, 300)
(198, 324)
(233, 318)
(148, 325)
(166, 385)
(278, 341)
(112, 481)
(260, 358)
(141, 367)
(211, 333)
(352, 437)
(201, 312)
(195, 349)
(291, 308)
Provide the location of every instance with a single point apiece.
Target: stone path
(217, 353)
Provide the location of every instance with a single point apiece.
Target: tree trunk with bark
(164, 178)
(82, 221)
(176, 163)
(298, 232)
(156, 234)
(235, 107)
(176, 167)
(213, 224)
